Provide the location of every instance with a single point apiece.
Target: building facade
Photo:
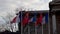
(55, 16)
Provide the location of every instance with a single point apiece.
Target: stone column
(54, 23)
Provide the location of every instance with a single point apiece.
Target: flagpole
(42, 24)
(42, 28)
(48, 25)
(28, 25)
(16, 23)
(28, 29)
(11, 27)
(35, 27)
(25, 28)
(21, 24)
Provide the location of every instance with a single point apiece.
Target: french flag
(45, 19)
(16, 19)
(25, 20)
(33, 19)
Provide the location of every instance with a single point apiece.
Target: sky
(11, 5)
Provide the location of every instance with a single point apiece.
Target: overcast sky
(11, 5)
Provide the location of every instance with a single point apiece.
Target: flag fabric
(43, 20)
(20, 16)
(39, 19)
(18, 19)
(30, 19)
(46, 17)
(33, 19)
(14, 20)
(25, 19)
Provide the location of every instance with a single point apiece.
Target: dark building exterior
(55, 16)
